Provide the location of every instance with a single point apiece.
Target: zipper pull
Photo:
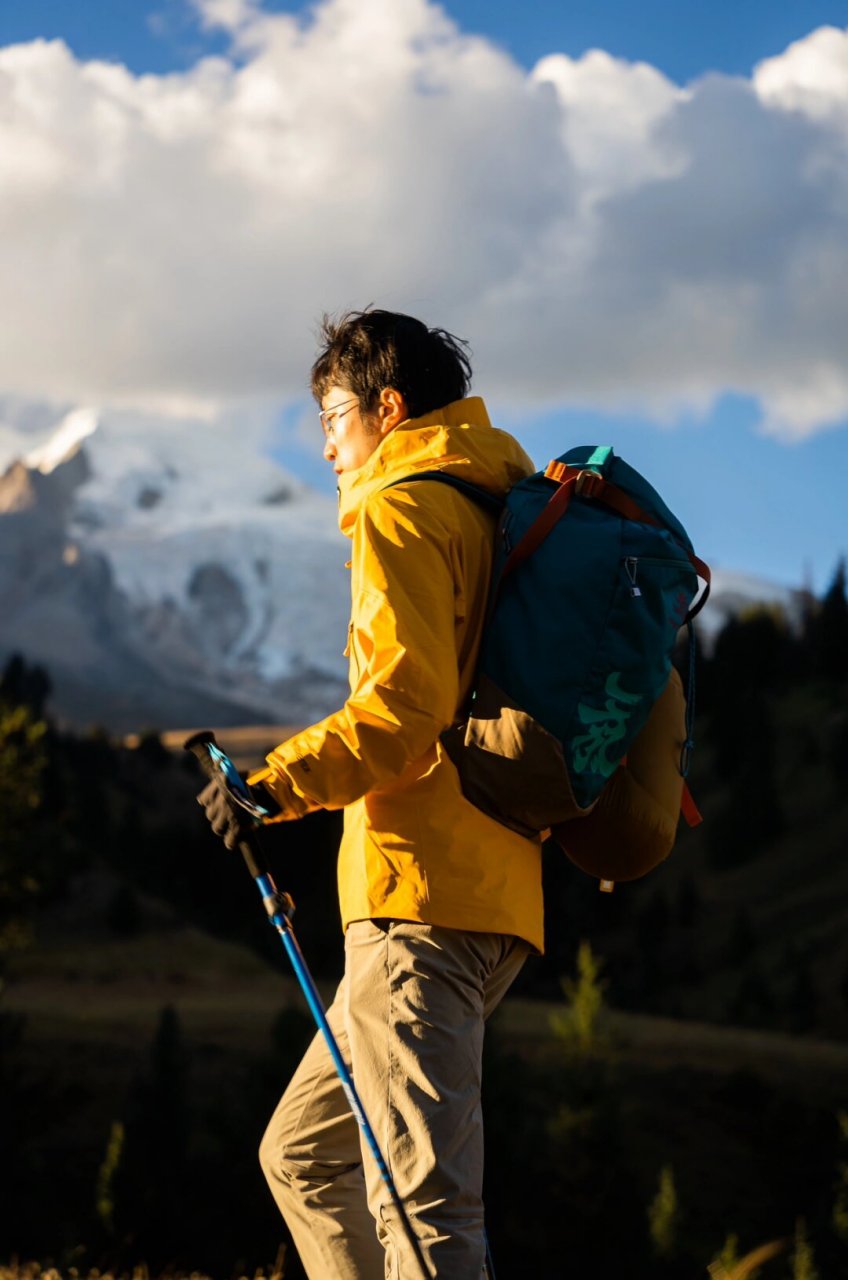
(630, 566)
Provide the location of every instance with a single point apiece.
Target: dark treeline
(742, 928)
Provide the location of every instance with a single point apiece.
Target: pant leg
(415, 1003)
(311, 1157)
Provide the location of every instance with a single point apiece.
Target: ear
(391, 409)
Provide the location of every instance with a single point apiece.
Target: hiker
(440, 903)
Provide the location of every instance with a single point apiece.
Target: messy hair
(366, 351)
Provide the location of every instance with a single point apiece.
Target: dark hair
(365, 351)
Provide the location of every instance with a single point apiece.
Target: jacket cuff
(291, 804)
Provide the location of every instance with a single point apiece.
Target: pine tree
(840, 1202)
(22, 763)
(728, 1265)
(580, 1024)
(724, 1262)
(24, 686)
(830, 629)
(105, 1191)
(837, 753)
(151, 1183)
(750, 665)
(752, 815)
(803, 1260)
(663, 1215)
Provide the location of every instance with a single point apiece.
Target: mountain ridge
(159, 583)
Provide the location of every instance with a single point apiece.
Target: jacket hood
(458, 439)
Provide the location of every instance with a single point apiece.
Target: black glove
(227, 819)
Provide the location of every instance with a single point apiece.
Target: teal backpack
(593, 579)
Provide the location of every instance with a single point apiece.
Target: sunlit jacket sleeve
(404, 673)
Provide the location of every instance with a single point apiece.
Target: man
(440, 904)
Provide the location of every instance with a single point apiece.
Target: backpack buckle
(556, 470)
(589, 484)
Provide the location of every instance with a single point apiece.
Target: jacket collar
(435, 441)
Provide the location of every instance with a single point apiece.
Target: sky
(636, 213)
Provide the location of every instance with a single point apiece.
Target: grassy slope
(111, 991)
(92, 1007)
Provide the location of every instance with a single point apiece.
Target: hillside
(152, 1017)
(212, 1032)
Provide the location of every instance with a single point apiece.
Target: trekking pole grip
(198, 744)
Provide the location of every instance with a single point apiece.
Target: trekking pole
(279, 907)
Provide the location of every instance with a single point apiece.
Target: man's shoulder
(417, 514)
(427, 497)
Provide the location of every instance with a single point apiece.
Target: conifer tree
(580, 1023)
(840, 1202)
(22, 763)
(752, 815)
(105, 1191)
(803, 1259)
(151, 1183)
(830, 630)
(22, 685)
(663, 1214)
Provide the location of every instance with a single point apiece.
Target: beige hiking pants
(409, 1017)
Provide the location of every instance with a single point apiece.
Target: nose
(329, 449)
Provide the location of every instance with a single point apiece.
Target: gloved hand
(227, 819)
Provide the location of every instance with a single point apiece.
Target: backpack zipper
(631, 568)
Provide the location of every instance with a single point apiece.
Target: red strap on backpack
(691, 813)
(689, 809)
(542, 525)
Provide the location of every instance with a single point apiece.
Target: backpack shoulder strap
(473, 491)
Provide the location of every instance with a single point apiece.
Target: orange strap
(689, 809)
(542, 525)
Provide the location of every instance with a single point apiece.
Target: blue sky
(683, 38)
(763, 498)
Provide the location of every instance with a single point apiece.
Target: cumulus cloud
(604, 236)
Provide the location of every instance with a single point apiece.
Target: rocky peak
(17, 489)
(26, 488)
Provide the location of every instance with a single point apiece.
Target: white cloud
(231, 15)
(603, 236)
(810, 77)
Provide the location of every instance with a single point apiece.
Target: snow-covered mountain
(733, 593)
(168, 577)
(171, 576)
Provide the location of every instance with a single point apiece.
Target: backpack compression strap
(542, 525)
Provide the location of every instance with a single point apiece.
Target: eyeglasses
(329, 417)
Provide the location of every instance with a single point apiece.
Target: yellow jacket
(413, 847)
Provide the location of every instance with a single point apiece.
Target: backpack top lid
(602, 458)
